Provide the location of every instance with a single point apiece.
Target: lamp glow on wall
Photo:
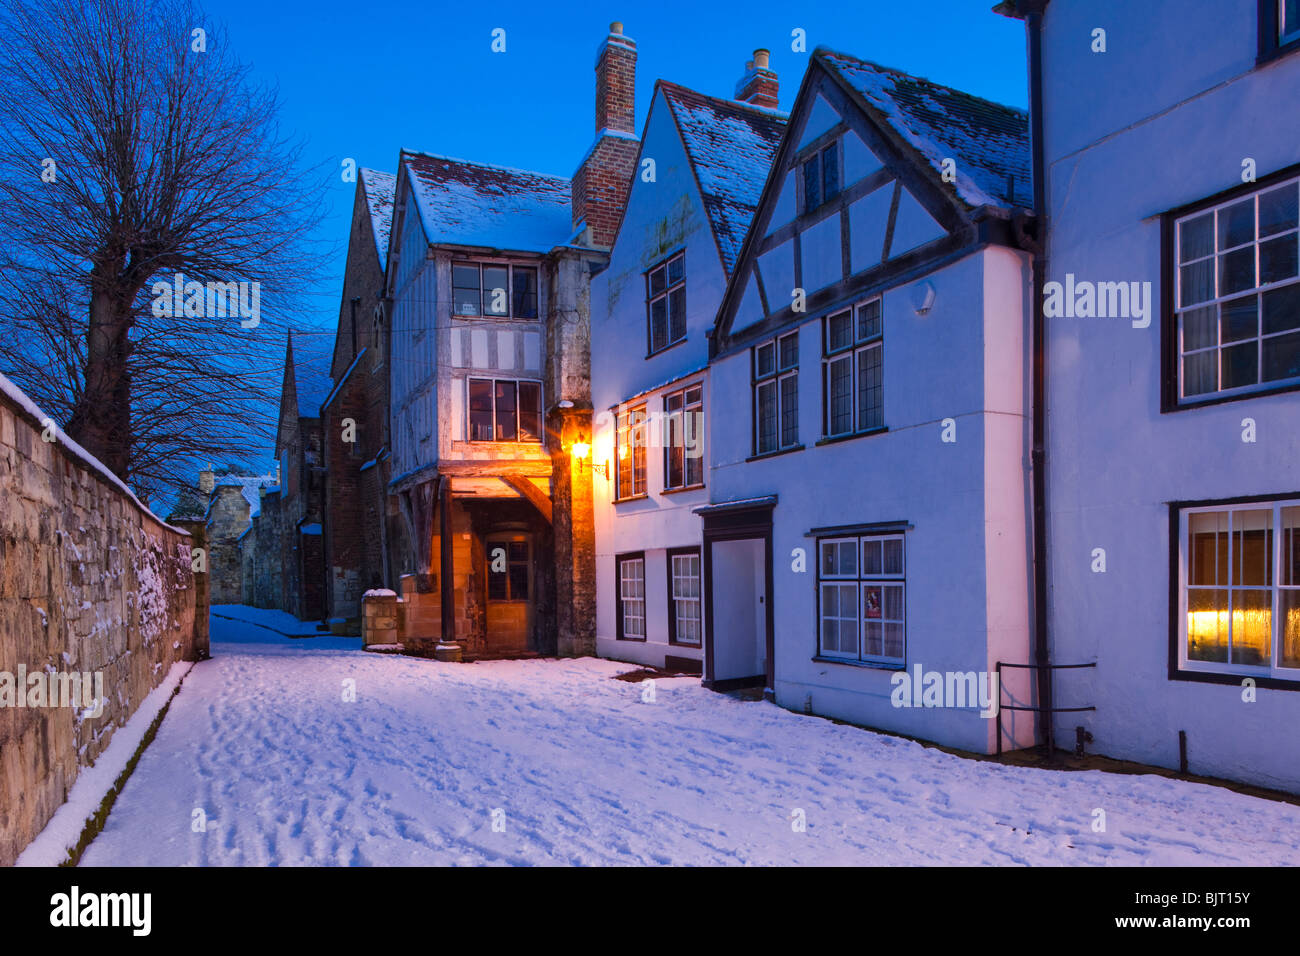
(581, 452)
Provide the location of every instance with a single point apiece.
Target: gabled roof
(989, 141)
(730, 146)
(473, 204)
(379, 189)
(312, 382)
(248, 485)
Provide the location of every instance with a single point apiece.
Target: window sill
(836, 439)
(1227, 677)
(1183, 405)
(1276, 52)
(631, 640)
(864, 665)
(774, 454)
(640, 497)
(666, 348)
(685, 644)
(681, 490)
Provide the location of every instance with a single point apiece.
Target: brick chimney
(601, 184)
(758, 85)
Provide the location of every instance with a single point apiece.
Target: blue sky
(363, 80)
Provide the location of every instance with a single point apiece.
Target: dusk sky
(365, 80)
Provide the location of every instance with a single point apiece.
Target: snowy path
(288, 773)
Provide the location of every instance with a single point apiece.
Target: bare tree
(134, 148)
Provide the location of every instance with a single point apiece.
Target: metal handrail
(1051, 745)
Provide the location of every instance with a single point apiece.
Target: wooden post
(446, 573)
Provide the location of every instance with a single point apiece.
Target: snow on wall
(90, 583)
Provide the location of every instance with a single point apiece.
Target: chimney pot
(616, 27)
(761, 58)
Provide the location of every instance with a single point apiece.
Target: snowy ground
(584, 772)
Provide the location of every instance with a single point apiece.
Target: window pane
(506, 423)
(1282, 357)
(677, 314)
(1198, 328)
(530, 411)
(1277, 259)
(872, 556)
(1239, 319)
(676, 269)
(638, 451)
(840, 387)
(830, 172)
(1196, 238)
(812, 192)
(765, 360)
(1252, 627)
(1196, 283)
(496, 290)
(480, 409)
(525, 292)
(869, 320)
(518, 570)
(871, 413)
(1277, 210)
(839, 608)
(789, 346)
(1200, 373)
(1240, 365)
(1237, 271)
(657, 281)
(1289, 628)
(1282, 309)
(1252, 547)
(1207, 533)
(498, 576)
(693, 425)
(839, 558)
(1237, 223)
(1207, 625)
(658, 324)
(893, 555)
(872, 602)
(839, 331)
(766, 412)
(465, 289)
(675, 445)
(789, 411)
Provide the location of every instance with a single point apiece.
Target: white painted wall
(966, 501)
(1163, 118)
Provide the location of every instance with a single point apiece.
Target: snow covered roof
(311, 375)
(249, 485)
(472, 204)
(989, 141)
(379, 188)
(731, 146)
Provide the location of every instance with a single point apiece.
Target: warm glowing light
(581, 449)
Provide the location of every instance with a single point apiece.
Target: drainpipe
(1038, 462)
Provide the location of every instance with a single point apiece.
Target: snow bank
(63, 831)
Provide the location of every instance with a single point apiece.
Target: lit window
(1240, 589)
(505, 410)
(629, 456)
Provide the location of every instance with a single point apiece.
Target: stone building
(362, 527)
(227, 501)
(302, 467)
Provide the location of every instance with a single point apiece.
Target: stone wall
(89, 582)
(227, 521)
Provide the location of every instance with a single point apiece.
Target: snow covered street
(554, 762)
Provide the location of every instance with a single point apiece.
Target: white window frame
(670, 286)
(1257, 290)
(1273, 669)
(775, 379)
(676, 424)
(692, 555)
(859, 345)
(631, 433)
(857, 581)
(624, 601)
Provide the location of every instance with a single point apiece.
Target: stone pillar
(574, 528)
(379, 618)
(200, 646)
